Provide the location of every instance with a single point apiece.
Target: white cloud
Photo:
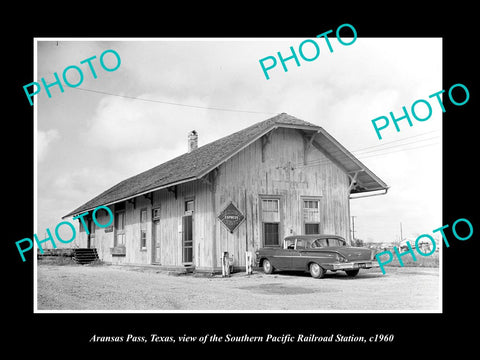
(44, 139)
(114, 138)
(126, 125)
(140, 134)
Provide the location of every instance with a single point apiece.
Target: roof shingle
(189, 165)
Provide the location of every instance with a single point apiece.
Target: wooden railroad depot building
(278, 177)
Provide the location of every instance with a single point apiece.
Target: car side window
(319, 243)
(302, 244)
(336, 242)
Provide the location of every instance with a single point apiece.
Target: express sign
(231, 217)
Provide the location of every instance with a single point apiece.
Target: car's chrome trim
(300, 256)
(351, 265)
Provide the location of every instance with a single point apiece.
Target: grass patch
(97, 262)
(55, 260)
(422, 261)
(65, 261)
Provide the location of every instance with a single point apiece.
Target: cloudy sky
(126, 121)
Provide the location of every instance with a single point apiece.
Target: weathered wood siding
(170, 228)
(244, 178)
(171, 212)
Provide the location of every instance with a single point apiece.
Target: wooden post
(246, 221)
(225, 264)
(248, 262)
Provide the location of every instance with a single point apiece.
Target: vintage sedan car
(316, 254)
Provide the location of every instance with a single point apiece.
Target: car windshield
(289, 244)
(327, 242)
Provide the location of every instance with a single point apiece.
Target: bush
(422, 261)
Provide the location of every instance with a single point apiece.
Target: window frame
(143, 229)
(271, 200)
(264, 235)
(304, 200)
(156, 213)
(119, 212)
(187, 202)
(269, 219)
(306, 224)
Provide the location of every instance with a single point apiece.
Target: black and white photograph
(195, 183)
(180, 187)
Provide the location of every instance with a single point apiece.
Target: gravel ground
(110, 287)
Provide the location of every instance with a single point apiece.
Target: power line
(313, 163)
(395, 141)
(366, 149)
(394, 146)
(360, 157)
(377, 152)
(394, 151)
(174, 103)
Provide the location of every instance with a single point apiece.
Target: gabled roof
(199, 162)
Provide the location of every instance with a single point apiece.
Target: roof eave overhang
(351, 165)
(377, 183)
(367, 193)
(75, 212)
(265, 132)
(358, 166)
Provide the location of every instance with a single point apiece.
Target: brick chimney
(192, 140)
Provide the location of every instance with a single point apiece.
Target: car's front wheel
(316, 271)
(267, 267)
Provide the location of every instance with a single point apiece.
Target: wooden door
(187, 239)
(119, 229)
(156, 242)
(89, 236)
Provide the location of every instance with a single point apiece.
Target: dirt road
(109, 287)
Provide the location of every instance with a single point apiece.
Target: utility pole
(353, 228)
(401, 234)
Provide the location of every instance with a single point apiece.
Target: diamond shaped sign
(231, 217)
